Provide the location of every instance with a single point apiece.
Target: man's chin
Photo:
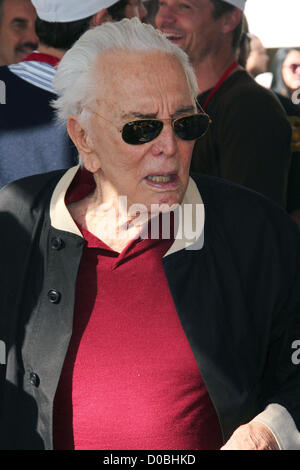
(21, 55)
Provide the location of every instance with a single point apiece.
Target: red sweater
(130, 380)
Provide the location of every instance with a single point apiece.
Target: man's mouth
(163, 181)
(160, 178)
(171, 36)
(26, 49)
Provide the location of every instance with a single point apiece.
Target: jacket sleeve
(281, 376)
(279, 421)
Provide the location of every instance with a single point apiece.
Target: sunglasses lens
(186, 128)
(191, 127)
(141, 132)
(294, 67)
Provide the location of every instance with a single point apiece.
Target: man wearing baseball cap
(249, 140)
(32, 142)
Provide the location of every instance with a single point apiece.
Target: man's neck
(58, 53)
(210, 69)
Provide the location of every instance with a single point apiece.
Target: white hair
(74, 81)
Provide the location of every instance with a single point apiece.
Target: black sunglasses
(141, 131)
(186, 128)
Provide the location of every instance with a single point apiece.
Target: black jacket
(249, 140)
(238, 299)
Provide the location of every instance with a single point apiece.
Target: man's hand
(251, 436)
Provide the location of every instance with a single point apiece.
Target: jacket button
(57, 243)
(54, 296)
(34, 379)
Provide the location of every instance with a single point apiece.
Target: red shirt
(130, 380)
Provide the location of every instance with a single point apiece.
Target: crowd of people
(149, 212)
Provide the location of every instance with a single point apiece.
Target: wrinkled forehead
(151, 79)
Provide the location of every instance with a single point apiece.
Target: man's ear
(101, 17)
(230, 20)
(84, 144)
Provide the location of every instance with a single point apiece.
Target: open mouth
(160, 178)
(174, 36)
(166, 181)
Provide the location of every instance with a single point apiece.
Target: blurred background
(274, 27)
(275, 22)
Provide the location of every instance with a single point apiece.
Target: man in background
(30, 140)
(258, 58)
(249, 139)
(17, 33)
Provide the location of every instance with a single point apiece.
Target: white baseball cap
(237, 3)
(65, 11)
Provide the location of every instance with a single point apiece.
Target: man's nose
(166, 142)
(30, 36)
(165, 15)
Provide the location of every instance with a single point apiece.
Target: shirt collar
(190, 233)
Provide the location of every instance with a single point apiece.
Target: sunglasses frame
(171, 120)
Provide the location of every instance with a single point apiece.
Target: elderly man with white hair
(30, 142)
(124, 327)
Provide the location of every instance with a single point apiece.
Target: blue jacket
(30, 140)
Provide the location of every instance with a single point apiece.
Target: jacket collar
(190, 233)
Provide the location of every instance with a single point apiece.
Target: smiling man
(17, 30)
(250, 136)
(122, 338)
